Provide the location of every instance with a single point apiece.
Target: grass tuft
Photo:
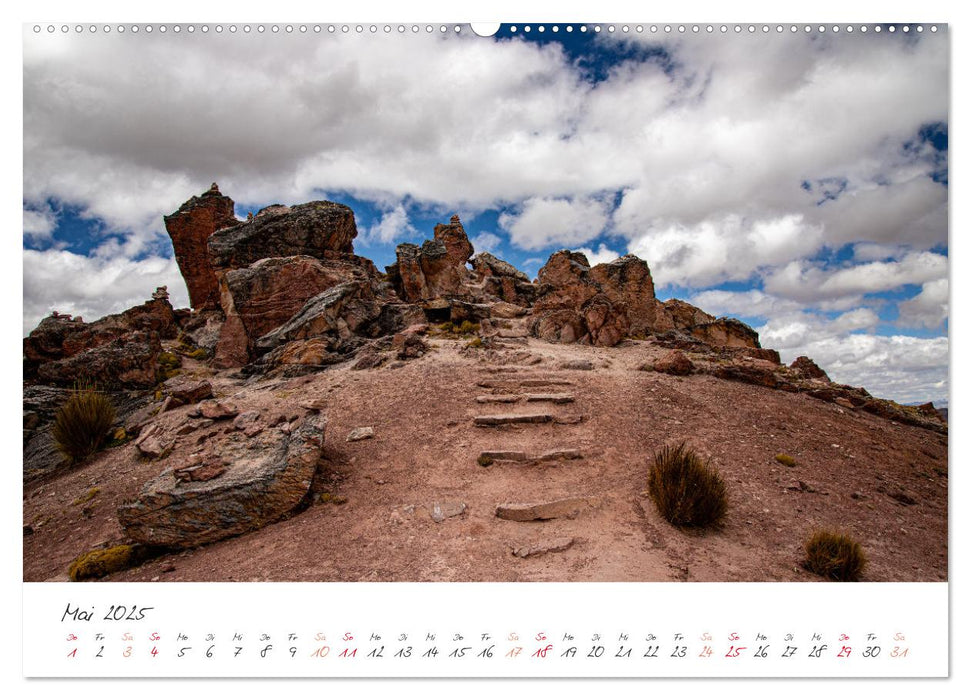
(835, 556)
(82, 423)
(687, 490)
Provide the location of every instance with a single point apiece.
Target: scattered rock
(446, 509)
(360, 434)
(674, 362)
(248, 422)
(169, 404)
(217, 409)
(559, 544)
(903, 498)
(153, 443)
(188, 391)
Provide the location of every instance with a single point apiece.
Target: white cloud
(899, 367)
(602, 254)
(393, 227)
(807, 282)
(40, 223)
(749, 303)
(486, 242)
(543, 222)
(62, 281)
(928, 309)
(722, 250)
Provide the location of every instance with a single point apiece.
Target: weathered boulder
(674, 362)
(683, 316)
(257, 488)
(318, 229)
(188, 390)
(190, 228)
(436, 269)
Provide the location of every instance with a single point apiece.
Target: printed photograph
(557, 303)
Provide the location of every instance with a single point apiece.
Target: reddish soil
(883, 483)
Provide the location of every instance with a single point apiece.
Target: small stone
(188, 391)
(248, 422)
(364, 433)
(28, 530)
(170, 403)
(216, 409)
(857, 496)
(186, 428)
(316, 404)
(152, 442)
(559, 544)
(447, 509)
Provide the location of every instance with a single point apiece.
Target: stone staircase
(530, 416)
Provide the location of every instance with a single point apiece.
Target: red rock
(436, 269)
(674, 362)
(808, 369)
(318, 229)
(190, 228)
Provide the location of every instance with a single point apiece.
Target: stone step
(498, 398)
(486, 457)
(558, 544)
(488, 421)
(545, 382)
(550, 398)
(562, 508)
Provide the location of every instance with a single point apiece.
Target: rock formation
(436, 269)
(190, 228)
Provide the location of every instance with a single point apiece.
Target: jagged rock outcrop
(601, 305)
(436, 269)
(190, 227)
(726, 332)
(808, 369)
(256, 487)
(117, 351)
(503, 281)
(318, 229)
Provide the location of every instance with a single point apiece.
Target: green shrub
(99, 563)
(835, 556)
(783, 458)
(686, 490)
(467, 328)
(475, 343)
(82, 423)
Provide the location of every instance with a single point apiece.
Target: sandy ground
(857, 472)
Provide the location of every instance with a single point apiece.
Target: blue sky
(798, 182)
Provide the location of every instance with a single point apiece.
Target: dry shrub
(82, 423)
(687, 490)
(786, 460)
(835, 556)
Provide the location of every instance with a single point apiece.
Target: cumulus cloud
(602, 254)
(543, 222)
(899, 367)
(39, 223)
(929, 309)
(392, 227)
(715, 251)
(62, 281)
(486, 242)
(807, 282)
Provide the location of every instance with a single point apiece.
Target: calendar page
(525, 349)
